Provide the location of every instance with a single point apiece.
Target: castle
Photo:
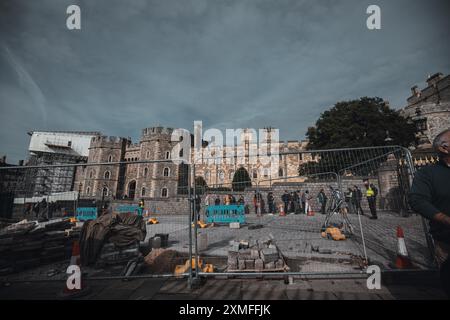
(147, 170)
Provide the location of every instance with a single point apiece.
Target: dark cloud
(232, 63)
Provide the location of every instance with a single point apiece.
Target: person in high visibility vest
(371, 194)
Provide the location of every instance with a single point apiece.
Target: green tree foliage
(360, 123)
(241, 180)
(366, 122)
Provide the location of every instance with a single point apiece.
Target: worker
(371, 194)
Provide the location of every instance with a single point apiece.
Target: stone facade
(162, 178)
(130, 179)
(429, 108)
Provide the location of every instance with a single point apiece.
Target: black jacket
(430, 194)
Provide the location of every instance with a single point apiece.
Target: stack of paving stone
(29, 244)
(259, 255)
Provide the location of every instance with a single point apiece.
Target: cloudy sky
(230, 63)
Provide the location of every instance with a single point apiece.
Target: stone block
(250, 264)
(235, 225)
(156, 243)
(232, 263)
(259, 264)
(254, 253)
(244, 244)
(233, 254)
(269, 255)
(279, 264)
(241, 264)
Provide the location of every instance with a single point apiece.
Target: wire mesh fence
(101, 201)
(310, 215)
(336, 214)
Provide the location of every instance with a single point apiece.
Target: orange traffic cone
(282, 213)
(402, 261)
(74, 286)
(75, 258)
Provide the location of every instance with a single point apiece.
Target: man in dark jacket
(285, 198)
(430, 197)
(271, 202)
(356, 199)
(322, 199)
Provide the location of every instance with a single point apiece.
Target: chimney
(4, 159)
(415, 91)
(20, 162)
(434, 78)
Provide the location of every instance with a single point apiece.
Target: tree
(360, 123)
(241, 179)
(366, 122)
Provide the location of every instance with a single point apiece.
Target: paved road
(298, 235)
(232, 289)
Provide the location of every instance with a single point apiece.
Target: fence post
(429, 239)
(190, 226)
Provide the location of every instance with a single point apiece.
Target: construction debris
(180, 269)
(123, 230)
(28, 244)
(333, 233)
(261, 255)
(161, 261)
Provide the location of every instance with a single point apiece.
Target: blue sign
(225, 214)
(84, 214)
(129, 209)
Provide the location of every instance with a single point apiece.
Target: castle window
(164, 193)
(266, 173)
(110, 158)
(181, 153)
(91, 174)
(88, 190)
(255, 174)
(107, 174)
(231, 174)
(148, 154)
(221, 175)
(166, 172)
(105, 192)
(280, 172)
(167, 155)
(143, 191)
(69, 143)
(207, 176)
(145, 172)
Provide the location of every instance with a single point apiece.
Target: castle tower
(158, 179)
(104, 179)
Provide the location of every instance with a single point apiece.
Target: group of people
(354, 195)
(296, 202)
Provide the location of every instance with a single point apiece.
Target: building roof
(87, 133)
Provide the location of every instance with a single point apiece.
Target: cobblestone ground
(299, 238)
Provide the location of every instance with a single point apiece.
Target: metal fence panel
(156, 190)
(284, 214)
